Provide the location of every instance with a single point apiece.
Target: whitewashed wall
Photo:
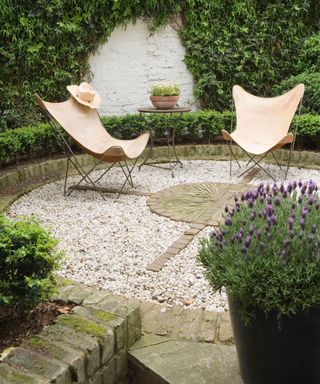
(131, 61)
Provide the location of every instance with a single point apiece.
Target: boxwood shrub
(27, 259)
(199, 127)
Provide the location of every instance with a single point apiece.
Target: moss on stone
(80, 324)
(16, 377)
(103, 315)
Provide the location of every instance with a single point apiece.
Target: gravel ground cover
(108, 243)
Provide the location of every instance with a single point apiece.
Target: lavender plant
(266, 251)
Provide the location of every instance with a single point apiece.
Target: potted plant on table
(165, 96)
(266, 254)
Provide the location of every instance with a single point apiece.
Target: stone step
(159, 360)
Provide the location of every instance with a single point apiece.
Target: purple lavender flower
(269, 210)
(275, 189)
(300, 183)
(250, 202)
(286, 243)
(310, 200)
(253, 214)
(228, 222)
(304, 212)
(242, 197)
(310, 237)
(313, 228)
(281, 188)
(277, 201)
(226, 208)
(291, 234)
(294, 184)
(284, 194)
(274, 220)
(302, 223)
(247, 241)
(258, 233)
(251, 230)
(293, 206)
(300, 199)
(290, 222)
(318, 242)
(235, 197)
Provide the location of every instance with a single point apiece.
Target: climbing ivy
(254, 43)
(45, 45)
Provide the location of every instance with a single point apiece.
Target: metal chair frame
(252, 157)
(72, 158)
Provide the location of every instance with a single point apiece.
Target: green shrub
(309, 57)
(311, 98)
(199, 127)
(27, 258)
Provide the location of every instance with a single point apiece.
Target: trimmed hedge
(199, 127)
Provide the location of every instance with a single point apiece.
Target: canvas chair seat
(262, 123)
(84, 126)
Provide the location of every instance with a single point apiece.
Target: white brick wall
(131, 61)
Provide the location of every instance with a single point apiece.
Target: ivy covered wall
(45, 45)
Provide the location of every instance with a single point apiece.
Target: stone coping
(88, 345)
(91, 344)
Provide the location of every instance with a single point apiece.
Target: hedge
(200, 127)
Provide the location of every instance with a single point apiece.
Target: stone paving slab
(183, 362)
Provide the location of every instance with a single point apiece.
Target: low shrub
(199, 127)
(27, 259)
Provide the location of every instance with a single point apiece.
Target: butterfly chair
(84, 126)
(263, 124)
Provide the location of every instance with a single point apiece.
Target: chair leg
(257, 163)
(66, 177)
(127, 175)
(232, 154)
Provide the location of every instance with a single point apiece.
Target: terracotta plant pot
(164, 102)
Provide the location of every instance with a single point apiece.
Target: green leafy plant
(27, 259)
(32, 142)
(311, 98)
(266, 253)
(46, 45)
(165, 89)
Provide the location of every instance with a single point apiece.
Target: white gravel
(108, 243)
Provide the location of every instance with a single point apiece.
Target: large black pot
(271, 355)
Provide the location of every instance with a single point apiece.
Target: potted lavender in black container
(266, 254)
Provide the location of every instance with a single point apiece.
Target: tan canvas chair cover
(83, 124)
(262, 123)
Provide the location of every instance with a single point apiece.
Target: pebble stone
(108, 243)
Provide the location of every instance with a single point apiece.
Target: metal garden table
(173, 158)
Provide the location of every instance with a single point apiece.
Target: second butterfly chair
(262, 125)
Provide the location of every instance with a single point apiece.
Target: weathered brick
(109, 373)
(11, 375)
(75, 358)
(78, 340)
(54, 370)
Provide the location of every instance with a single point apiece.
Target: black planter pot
(271, 355)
